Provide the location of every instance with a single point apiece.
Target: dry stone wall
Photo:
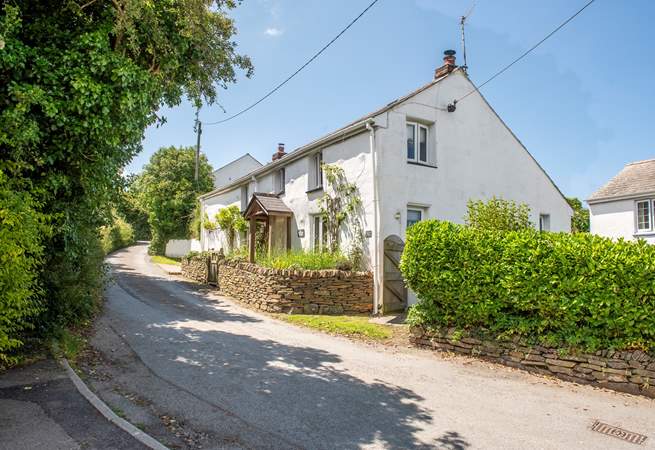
(297, 291)
(195, 268)
(627, 371)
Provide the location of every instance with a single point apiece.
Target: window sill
(316, 189)
(414, 163)
(644, 233)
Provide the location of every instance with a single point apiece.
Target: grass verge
(158, 259)
(358, 326)
(68, 344)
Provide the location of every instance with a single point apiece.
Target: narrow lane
(261, 383)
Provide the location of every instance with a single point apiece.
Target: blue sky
(581, 103)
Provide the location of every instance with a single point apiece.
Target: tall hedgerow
(79, 84)
(578, 289)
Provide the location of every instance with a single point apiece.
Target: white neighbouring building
(625, 206)
(413, 159)
(235, 170)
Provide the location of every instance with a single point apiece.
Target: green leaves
(498, 214)
(571, 289)
(231, 221)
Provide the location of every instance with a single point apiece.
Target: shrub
(305, 260)
(498, 214)
(578, 290)
(21, 252)
(116, 236)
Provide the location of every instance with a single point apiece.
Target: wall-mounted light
(301, 233)
(368, 234)
(397, 215)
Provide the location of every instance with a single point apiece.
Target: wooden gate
(212, 268)
(394, 296)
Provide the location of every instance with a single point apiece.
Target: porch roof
(263, 204)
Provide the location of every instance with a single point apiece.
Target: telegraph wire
(309, 61)
(504, 69)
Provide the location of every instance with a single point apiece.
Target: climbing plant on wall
(341, 204)
(231, 222)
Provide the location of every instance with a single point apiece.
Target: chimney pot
(280, 152)
(448, 64)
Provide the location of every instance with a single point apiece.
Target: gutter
(293, 156)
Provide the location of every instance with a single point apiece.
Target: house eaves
(616, 198)
(344, 132)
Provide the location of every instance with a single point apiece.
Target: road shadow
(298, 394)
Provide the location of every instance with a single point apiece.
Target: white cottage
(420, 156)
(623, 208)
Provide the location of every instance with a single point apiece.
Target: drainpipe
(370, 126)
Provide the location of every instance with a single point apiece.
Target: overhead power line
(309, 61)
(501, 71)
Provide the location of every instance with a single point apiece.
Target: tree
(169, 193)
(79, 83)
(130, 207)
(497, 214)
(231, 222)
(580, 218)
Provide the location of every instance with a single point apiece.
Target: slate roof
(271, 204)
(634, 179)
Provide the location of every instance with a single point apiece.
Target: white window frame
(244, 196)
(317, 171)
(417, 150)
(651, 203)
(421, 211)
(280, 181)
(544, 222)
(319, 237)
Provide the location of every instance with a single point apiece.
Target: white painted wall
(235, 170)
(474, 155)
(353, 155)
(616, 219)
(177, 248)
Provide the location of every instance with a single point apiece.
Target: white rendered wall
(476, 157)
(176, 248)
(616, 220)
(235, 170)
(353, 155)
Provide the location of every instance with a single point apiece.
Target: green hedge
(577, 290)
(116, 236)
(22, 229)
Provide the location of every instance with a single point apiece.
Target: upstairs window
(280, 181)
(316, 171)
(417, 142)
(644, 215)
(244, 197)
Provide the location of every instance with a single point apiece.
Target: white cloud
(273, 32)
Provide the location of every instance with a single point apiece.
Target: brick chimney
(280, 152)
(448, 64)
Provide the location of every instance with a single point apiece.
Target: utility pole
(198, 133)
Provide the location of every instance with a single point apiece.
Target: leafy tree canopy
(169, 192)
(80, 80)
(498, 214)
(580, 218)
